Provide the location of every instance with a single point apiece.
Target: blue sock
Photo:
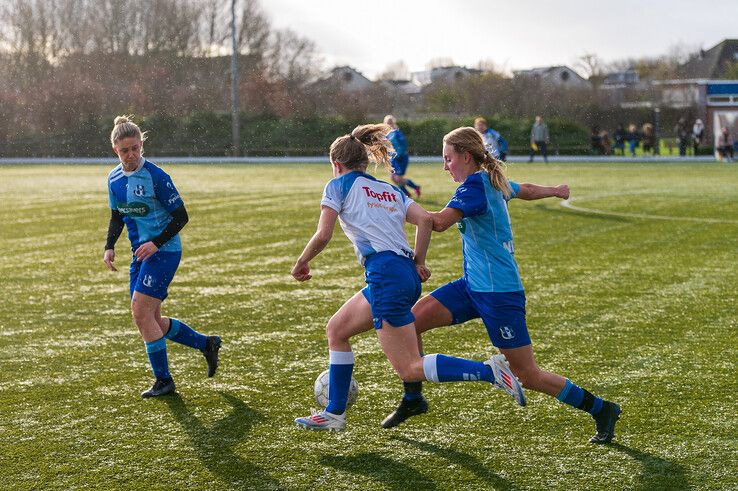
(579, 398)
(442, 368)
(181, 333)
(157, 351)
(410, 183)
(339, 379)
(404, 190)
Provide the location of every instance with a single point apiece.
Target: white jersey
(371, 213)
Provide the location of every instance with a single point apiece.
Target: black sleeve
(179, 220)
(114, 229)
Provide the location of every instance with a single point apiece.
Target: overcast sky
(371, 34)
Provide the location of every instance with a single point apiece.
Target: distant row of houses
(701, 85)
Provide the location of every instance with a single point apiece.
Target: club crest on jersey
(139, 190)
(506, 332)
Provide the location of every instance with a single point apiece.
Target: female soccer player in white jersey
(372, 213)
(491, 287)
(143, 198)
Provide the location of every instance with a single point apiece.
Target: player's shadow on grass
(464, 460)
(657, 473)
(392, 474)
(213, 443)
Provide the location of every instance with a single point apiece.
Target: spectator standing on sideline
(539, 139)
(633, 137)
(725, 145)
(682, 136)
(596, 141)
(619, 139)
(493, 140)
(649, 139)
(698, 132)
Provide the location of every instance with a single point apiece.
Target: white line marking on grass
(568, 204)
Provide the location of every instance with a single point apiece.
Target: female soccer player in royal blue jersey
(143, 198)
(491, 287)
(372, 213)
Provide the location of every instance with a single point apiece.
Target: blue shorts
(393, 287)
(152, 276)
(503, 313)
(399, 164)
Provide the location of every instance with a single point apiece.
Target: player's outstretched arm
(445, 218)
(320, 239)
(533, 191)
(423, 222)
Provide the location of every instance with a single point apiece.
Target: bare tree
(590, 65)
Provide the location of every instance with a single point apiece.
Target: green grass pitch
(639, 309)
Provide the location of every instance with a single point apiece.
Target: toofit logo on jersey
(385, 196)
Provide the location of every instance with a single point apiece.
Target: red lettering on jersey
(385, 196)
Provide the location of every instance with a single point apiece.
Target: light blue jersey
(145, 198)
(487, 240)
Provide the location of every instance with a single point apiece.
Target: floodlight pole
(235, 123)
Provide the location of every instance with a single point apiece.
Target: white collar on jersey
(138, 168)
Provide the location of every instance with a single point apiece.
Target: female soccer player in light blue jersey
(491, 287)
(143, 198)
(372, 213)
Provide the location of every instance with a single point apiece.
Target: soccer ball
(321, 390)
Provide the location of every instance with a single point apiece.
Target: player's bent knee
(411, 372)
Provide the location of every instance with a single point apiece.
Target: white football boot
(505, 379)
(323, 421)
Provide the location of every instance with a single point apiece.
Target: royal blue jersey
(399, 142)
(486, 235)
(145, 198)
(494, 142)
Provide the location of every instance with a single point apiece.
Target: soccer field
(632, 296)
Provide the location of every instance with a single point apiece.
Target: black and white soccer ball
(321, 390)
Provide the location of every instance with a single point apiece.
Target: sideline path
(319, 159)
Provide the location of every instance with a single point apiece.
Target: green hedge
(209, 134)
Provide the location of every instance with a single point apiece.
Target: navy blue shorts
(503, 313)
(393, 287)
(152, 276)
(399, 164)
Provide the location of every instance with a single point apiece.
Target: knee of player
(334, 332)
(411, 371)
(140, 313)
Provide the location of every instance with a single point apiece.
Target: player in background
(491, 287)
(400, 158)
(143, 198)
(372, 214)
(493, 140)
